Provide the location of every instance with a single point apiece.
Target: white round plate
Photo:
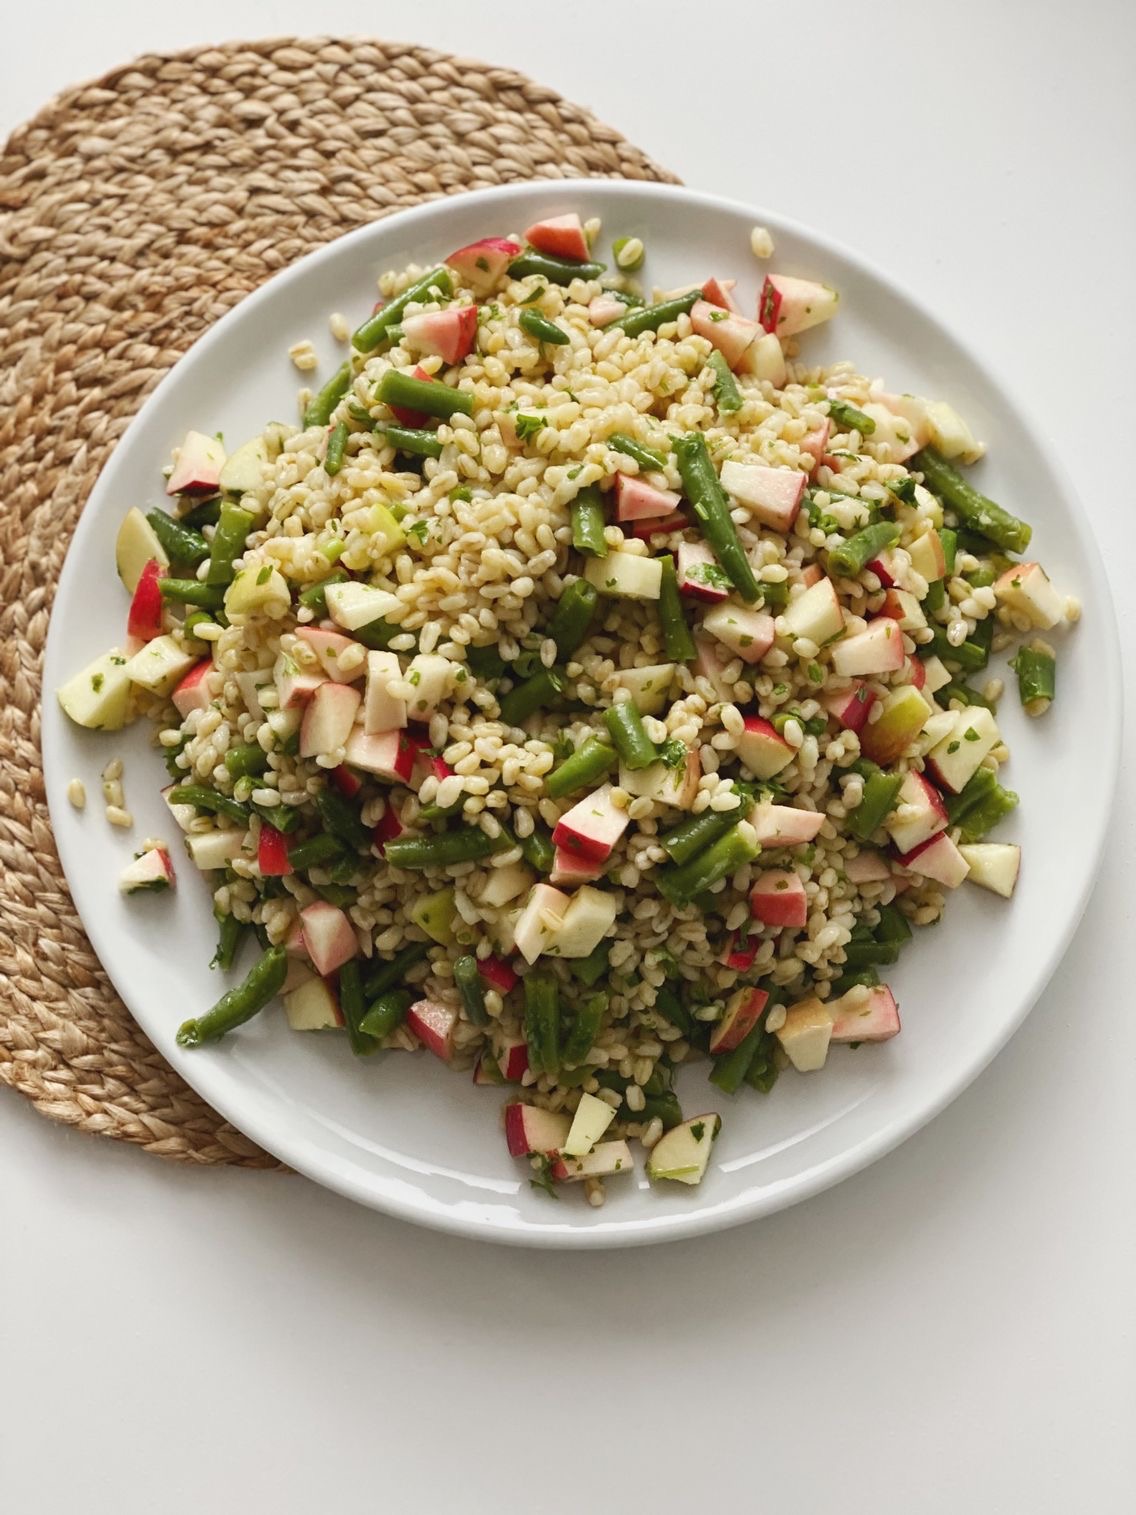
(405, 1134)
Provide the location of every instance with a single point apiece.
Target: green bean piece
(854, 555)
(730, 1069)
(712, 507)
(416, 441)
(463, 846)
(231, 935)
(182, 543)
(385, 1013)
(625, 724)
(240, 1004)
(429, 396)
(971, 655)
(727, 395)
(851, 419)
(677, 640)
(664, 1107)
(852, 980)
(572, 617)
(864, 952)
(537, 849)
(646, 457)
(542, 1021)
(972, 508)
(697, 832)
(583, 769)
(385, 975)
(672, 1009)
(283, 818)
(903, 489)
(876, 803)
(556, 270)
(228, 543)
(471, 989)
(629, 266)
(984, 816)
(321, 406)
(378, 327)
(533, 694)
(333, 454)
(585, 1027)
(589, 970)
(651, 317)
(376, 634)
(1036, 668)
(315, 851)
(964, 694)
(706, 868)
(588, 522)
(486, 662)
(210, 800)
(980, 578)
(246, 760)
(763, 1071)
(314, 597)
(192, 592)
(352, 1008)
(982, 784)
(936, 597)
(341, 819)
(950, 544)
(542, 329)
(892, 926)
(205, 514)
(194, 619)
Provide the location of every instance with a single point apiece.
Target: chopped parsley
(970, 735)
(96, 682)
(483, 264)
(816, 674)
(953, 747)
(461, 493)
(542, 1168)
(419, 530)
(673, 754)
(528, 424)
(709, 574)
(698, 1130)
(574, 473)
(414, 677)
(264, 575)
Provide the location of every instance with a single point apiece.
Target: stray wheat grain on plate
(583, 686)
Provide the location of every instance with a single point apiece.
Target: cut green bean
(321, 406)
(428, 396)
(228, 543)
(589, 970)
(341, 819)
(283, 818)
(353, 1009)
(333, 453)
(1036, 668)
(537, 849)
(378, 327)
(205, 514)
(964, 694)
(635, 747)
(210, 800)
(486, 662)
(712, 507)
(950, 544)
(416, 441)
(971, 655)
(850, 419)
(984, 816)
(230, 936)
(463, 846)
(472, 990)
(585, 1028)
(386, 975)
(697, 832)
(584, 769)
(727, 395)
(314, 852)
(730, 1069)
(646, 457)
(892, 926)
(651, 317)
(542, 1021)
(240, 1004)
(533, 694)
(972, 508)
(385, 1013)
(681, 884)
(314, 597)
(672, 1009)
(854, 555)
(588, 522)
(877, 801)
(662, 1107)
(542, 329)
(181, 542)
(634, 259)
(677, 640)
(377, 634)
(572, 617)
(246, 760)
(192, 592)
(863, 952)
(556, 270)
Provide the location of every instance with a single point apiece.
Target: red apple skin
(498, 974)
(559, 237)
(743, 1011)
(433, 1025)
(775, 905)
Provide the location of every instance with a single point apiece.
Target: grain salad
(581, 687)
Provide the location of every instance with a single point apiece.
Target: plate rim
(512, 1228)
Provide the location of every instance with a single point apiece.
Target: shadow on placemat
(137, 210)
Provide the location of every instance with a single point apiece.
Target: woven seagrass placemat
(135, 212)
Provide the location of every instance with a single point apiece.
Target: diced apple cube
(153, 872)
(815, 442)
(744, 1009)
(851, 707)
(590, 917)
(193, 692)
(918, 815)
(432, 677)
(773, 494)
(312, 1006)
(134, 547)
(765, 360)
(731, 334)
(745, 631)
(569, 868)
(482, 264)
(159, 665)
(866, 868)
(328, 719)
(648, 686)
(329, 936)
(805, 1035)
(434, 1024)
(935, 675)
(209, 850)
(536, 926)
(938, 859)
(603, 1161)
(762, 749)
(528, 1128)
(778, 899)
(636, 500)
(903, 714)
(927, 557)
(434, 913)
(957, 757)
(1025, 590)
(592, 827)
(559, 237)
(708, 665)
(605, 309)
(785, 825)
(381, 710)
(699, 573)
(860, 1017)
(450, 333)
(816, 614)
(591, 1120)
(244, 469)
(877, 649)
(98, 698)
(198, 467)
(626, 575)
(353, 605)
(507, 883)
(386, 754)
(256, 591)
(787, 305)
(950, 433)
(682, 1154)
(665, 783)
(993, 865)
(901, 606)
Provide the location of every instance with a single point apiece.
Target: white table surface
(951, 1330)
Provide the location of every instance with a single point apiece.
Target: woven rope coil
(133, 213)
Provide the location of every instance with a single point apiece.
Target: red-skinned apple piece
(559, 237)
(636, 500)
(744, 1009)
(329, 937)
(481, 264)
(778, 899)
(528, 1128)
(193, 691)
(433, 1024)
(449, 333)
(144, 618)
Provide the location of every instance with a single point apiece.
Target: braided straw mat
(136, 211)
